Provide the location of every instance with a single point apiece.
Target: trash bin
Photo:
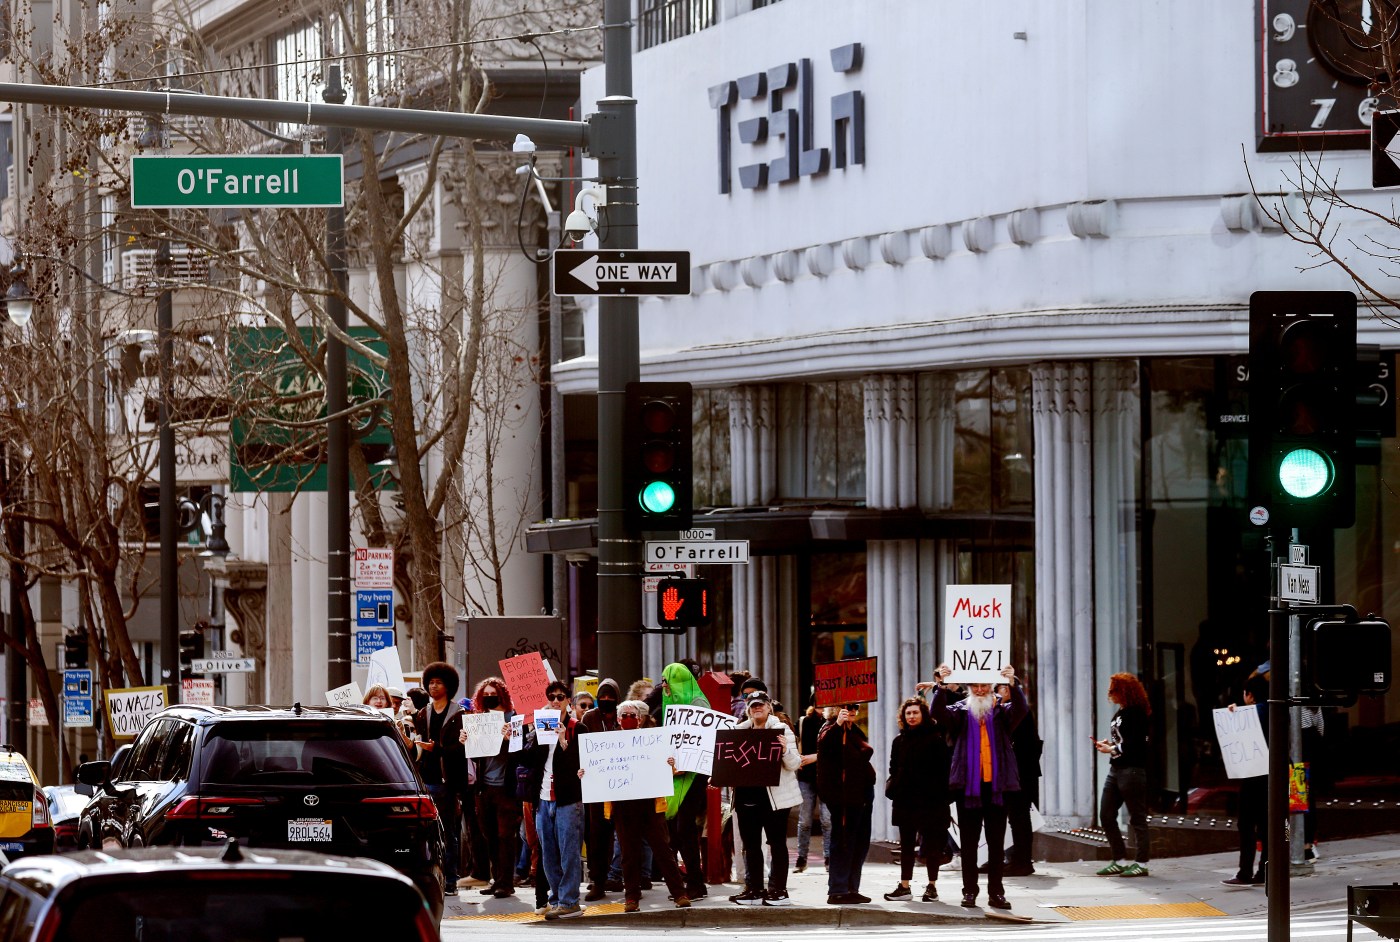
(1375, 907)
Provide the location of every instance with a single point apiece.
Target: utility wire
(521, 37)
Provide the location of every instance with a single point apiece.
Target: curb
(699, 917)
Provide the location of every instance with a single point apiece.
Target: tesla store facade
(970, 305)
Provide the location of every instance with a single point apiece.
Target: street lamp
(19, 303)
(192, 516)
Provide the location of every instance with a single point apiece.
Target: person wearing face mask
(916, 787)
(846, 784)
(642, 821)
(598, 828)
(982, 772)
(686, 808)
(763, 813)
(498, 810)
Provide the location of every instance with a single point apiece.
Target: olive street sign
(235, 181)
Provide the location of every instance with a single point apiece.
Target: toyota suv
(335, 780)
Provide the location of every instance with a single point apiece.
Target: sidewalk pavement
(1180, 887)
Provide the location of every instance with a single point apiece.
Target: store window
(975, 430)
(821, 441)
(710, 437)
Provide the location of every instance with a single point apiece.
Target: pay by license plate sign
(305, 830)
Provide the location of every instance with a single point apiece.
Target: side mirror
(93, 774)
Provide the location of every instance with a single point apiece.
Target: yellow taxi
(25, 827)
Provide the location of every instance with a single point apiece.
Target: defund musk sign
(606, 272)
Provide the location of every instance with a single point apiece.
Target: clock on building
(1317, 59)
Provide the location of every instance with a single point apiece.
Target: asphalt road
(1320, 925)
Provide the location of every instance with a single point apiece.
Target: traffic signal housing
(657, 461)
(75, 649)
(1342, 659)
(191, 648)
(683, 603)
(1302, 405)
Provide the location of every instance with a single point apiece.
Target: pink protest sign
(526, 677)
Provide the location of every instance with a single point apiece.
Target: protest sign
(842, 682)
(625, 764)
(1242, 745)
(385, 669)
(747, 757)
(128, 708)
(517, 733)
(546, 726)
(348, 695)
(691, 735)
(526, 679)
(977, 632)
(483, 733)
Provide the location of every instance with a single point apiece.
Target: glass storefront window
(813, 463)
(1013, 481)
(710, 439)
(972, 434)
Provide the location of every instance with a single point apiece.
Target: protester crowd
(517, 818)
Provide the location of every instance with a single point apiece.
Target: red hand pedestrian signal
(670, 603)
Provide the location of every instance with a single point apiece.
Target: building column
(894, 589)
(1064, 587)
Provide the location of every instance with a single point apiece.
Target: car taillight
(48, 931)
(406, 806)
(190, 809)
(427, 932)
(39, 818)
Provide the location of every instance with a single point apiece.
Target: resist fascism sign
(842, 682)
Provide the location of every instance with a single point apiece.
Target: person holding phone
(1126, 747)
(846, 784)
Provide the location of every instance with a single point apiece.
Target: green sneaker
(1112, 870)
(1134, 870)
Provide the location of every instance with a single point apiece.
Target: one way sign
(600, 272)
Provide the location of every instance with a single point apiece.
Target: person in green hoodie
(686, 808)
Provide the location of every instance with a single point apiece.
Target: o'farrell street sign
(719, 552)
(236, 181)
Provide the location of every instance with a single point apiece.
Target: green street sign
(236, 181)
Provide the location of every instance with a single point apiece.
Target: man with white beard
(982, 771)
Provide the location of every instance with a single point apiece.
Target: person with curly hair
(917, 789)
(442, 763)
(498, 803)
(1126, 747)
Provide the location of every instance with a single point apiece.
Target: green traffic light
(658, 497)
(1304, 472)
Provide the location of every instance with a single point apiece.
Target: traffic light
(656, 456)
(1345, 658)
(191, 648)
(1302, 404)
(683, 603)
(75, 648)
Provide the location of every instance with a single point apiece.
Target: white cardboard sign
(977, 632)
(625, 764)
(385, 669)
(348, 695)
(482, 733)
(1242, 744)
(691, 735)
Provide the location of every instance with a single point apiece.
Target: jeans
(850, 842)
(757, 823)
(446, 800)
(810, 803)
(560, 828)
(1125, 785)
(971, 822)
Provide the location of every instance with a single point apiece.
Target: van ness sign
(785, 110)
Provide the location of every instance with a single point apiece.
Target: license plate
(11, 845)
(308, 829)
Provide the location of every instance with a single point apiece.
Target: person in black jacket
(917, 787)
(442, 762)
(1027, 745)
(846, 784)
(553, 784)
(1254, 797)
(1126, 784)
(497, 800)
(599, 827)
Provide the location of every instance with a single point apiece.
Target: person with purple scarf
(983, 770)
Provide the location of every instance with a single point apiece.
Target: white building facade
(970, 299)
